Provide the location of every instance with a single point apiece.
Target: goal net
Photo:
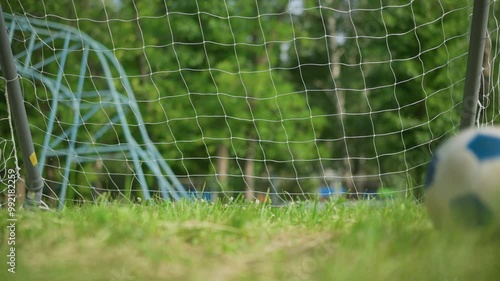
(283, 99)
(9, 167)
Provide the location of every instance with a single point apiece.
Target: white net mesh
(287, 97)
(9, 166)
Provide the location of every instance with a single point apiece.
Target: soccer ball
(463, 180)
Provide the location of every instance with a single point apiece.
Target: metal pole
(34, 182)
(474, 63)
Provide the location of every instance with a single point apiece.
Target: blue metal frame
(67, 145)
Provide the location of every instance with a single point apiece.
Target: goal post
(142, 100)
(34, 182)
(478, 38)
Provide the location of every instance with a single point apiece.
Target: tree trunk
(222, 164)
(143, 66)
(98, 188)
(250, 169)
(335, 55)
(51, 180)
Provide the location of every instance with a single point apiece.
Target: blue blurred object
(203, 195)
(328, 191)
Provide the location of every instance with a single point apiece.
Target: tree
(255, 89)
(393, 85)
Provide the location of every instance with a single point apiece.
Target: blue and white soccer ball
(463, 180)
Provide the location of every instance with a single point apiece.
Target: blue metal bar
(53, 109)
(41, 44)
(51, 59)
(30, 51)
(11, 29)
(84, 118)
(142, 129)
(121, 114)
(74, 128)
(104, 129)
(122, 103)
(30, 73)
(165, 188)
(87, 149)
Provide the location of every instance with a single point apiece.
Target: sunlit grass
(204, 241)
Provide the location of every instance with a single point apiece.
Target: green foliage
(207, 73)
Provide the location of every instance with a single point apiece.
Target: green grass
(201, 241)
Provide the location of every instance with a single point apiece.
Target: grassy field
(202, 241)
